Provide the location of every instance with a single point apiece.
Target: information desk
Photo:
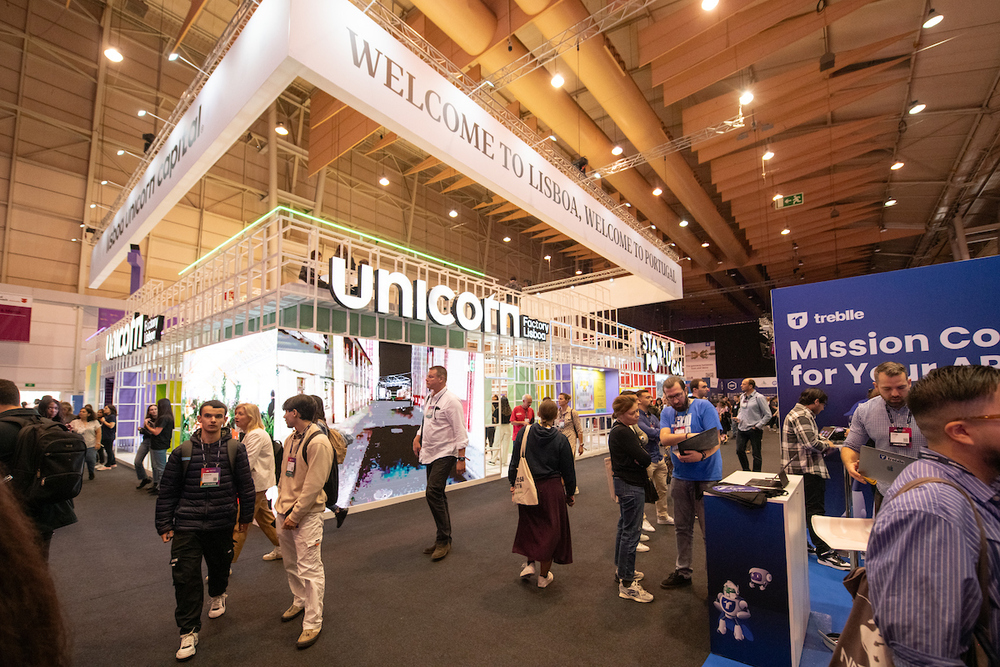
(758, 576)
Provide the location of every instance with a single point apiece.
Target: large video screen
(372, 393)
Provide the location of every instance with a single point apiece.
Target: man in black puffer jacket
(197, 508)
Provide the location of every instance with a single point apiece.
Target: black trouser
(186, 552)
(754, 436)
(438, 472)
(815, 487)
(109, 448)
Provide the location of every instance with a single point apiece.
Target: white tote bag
(524, 483)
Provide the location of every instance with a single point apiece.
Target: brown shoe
(440, 551)
(429, 550)
(290, 613)
(308, 638)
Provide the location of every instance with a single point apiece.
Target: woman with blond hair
(260, 454)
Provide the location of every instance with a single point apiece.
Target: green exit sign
(790, 200)
(29, 384)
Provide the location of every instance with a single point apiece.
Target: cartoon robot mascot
(733, 612)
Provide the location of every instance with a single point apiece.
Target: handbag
(524, 484)
(861, 643)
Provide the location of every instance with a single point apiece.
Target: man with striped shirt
(802, 451)
(886, 420)
(924, 547)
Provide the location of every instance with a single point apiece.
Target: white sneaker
(218, 606)
(274, 555)
(647, 526)
(641, 547)
(101, 466)
(528, 570)
(634, 592)
(187, 650)
(644, 538)
(668, 521)
(546, 580)
(636, 576)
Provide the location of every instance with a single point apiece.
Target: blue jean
(140, 458)
(630, 503)
(91, 458)
(158, 459)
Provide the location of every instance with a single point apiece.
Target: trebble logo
(798, 320)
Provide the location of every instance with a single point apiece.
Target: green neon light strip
(342, 228)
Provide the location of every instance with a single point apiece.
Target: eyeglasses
(963, 419)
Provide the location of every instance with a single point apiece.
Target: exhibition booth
(259, 319)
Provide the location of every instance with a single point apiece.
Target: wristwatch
(703, 456)
(460, 458)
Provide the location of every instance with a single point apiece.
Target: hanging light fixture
(777, 197)
(683, 223)
(916, 106)
(897, 165)
(617, 150)
(657, 191)
(786, 231)
(746, 97)
(281, 129)
(557, 80)
(933, 18)
(768, 154)
(114, 55)
(890, 202)
(709, 5)
(452, 213)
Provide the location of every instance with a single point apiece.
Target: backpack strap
(983, 564)
(186, 448)
(233, 446)
(305, 446)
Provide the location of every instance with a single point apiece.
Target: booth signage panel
(138, 333)
(251, 75)
(832, 335)
(15, 318)
(360, 64)
(700, 360)
(661, 355)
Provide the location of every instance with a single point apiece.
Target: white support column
(272, 157)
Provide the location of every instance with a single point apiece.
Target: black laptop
(700, 442)
(779, 481)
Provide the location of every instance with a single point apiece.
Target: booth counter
(758, 575)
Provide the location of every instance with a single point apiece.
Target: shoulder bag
(861, 642)
(524, 484)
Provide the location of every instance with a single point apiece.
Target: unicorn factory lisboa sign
(138, 333)
(417, 302)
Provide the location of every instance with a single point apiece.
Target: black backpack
(332, 486)
(279, 458)
(48, 460)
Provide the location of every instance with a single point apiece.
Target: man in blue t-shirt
(694, 472)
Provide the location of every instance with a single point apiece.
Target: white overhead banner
(335, 46)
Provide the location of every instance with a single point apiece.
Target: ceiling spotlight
(121, 151)
(657, 192)
(652, 226)
(916, 106)
(746, 97)
(933, 18)
(890, 202)
(628, 205)
(104, 182)
(617, 150)
(777, 197)
(113, 54)
(878, 248)
(547, 258)
(672, 244)
(173, 56)
(611, 280)
(786, 231)
(557, 80)
(281, 129)
(506, 239)
(383, 181)
(768, 154)
(596, 174)
(553, 137)
(683, 223)
(91, 206)
(452, 213)
(882, 229)
(74, 239)
(897, 165)
(578, 272)
(801, 263)
(709, 5)
(705, 244)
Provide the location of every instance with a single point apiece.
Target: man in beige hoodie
(305, 467)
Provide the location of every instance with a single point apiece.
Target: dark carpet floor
(386, 603)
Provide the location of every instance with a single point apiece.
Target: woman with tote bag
(543, 529)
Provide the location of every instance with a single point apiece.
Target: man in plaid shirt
(802, 451)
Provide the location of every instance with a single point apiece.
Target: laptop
(833, 433)
(700, 442)
(883, 467)
(779, 481)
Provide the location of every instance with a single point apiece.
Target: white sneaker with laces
(665, 521)
(634, 592)
(101, 466)
(641, 548)
(528, 570)
(545, 581)
(647, 526)
(274, 555)
(187, 649)
(644, 538)
(218, 606)
(636, 574)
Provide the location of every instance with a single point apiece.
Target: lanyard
(204, 456)
(892, 422)
(297, 441)
(430, 408)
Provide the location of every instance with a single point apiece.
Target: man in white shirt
(754, 414)
(439, 444)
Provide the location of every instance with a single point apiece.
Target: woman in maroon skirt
(543, 529)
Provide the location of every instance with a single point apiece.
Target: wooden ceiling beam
(714, 111)
(733, 165)
(194, 11)
(443, 175)
(776, 217)
(678, 84)
(463, 182)
(682, 26)
(812, 188)
(536, 228)
(427, 163)
(815, 217)
(794, 119)
(386, 141)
